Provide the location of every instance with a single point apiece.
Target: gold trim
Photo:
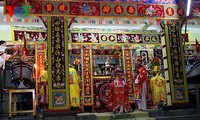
(123, 60)
(49, 61)
(102, 77)
(13, 34)
(169, 60)
(66, 63)
(82, 89)
(91, 71)
(110, 16)
(122, 32)
(36, 71)
(112, 44)
(41, 51)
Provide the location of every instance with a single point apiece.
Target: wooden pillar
(58, 64)
(175, 64)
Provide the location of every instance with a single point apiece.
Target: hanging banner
(40, 63)
(129, 74)
(175, 51)
(178, 82)
(58, 59)
(88, 95)
(123, 8)
(58, 86)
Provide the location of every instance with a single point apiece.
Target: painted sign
(58, 56)
(126, 8)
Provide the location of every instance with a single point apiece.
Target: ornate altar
(104, 61)
(96, 70)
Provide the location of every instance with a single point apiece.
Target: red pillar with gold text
(129, 73)
(87, 80)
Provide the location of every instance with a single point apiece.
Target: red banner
(20, 8)
(40, 63)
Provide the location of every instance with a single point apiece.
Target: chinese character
(170, 11)
(106, 9)
(62, 7)
(131, 9)
(118, 9)
(49, 7)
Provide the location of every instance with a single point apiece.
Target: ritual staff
(118, 93)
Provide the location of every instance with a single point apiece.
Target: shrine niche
(95, 52)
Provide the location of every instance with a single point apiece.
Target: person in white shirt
(3, 58)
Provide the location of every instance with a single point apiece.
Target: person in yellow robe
(74, 88)
(158, 88)
(43, 89)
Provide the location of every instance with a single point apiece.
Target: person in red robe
(118, 92)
